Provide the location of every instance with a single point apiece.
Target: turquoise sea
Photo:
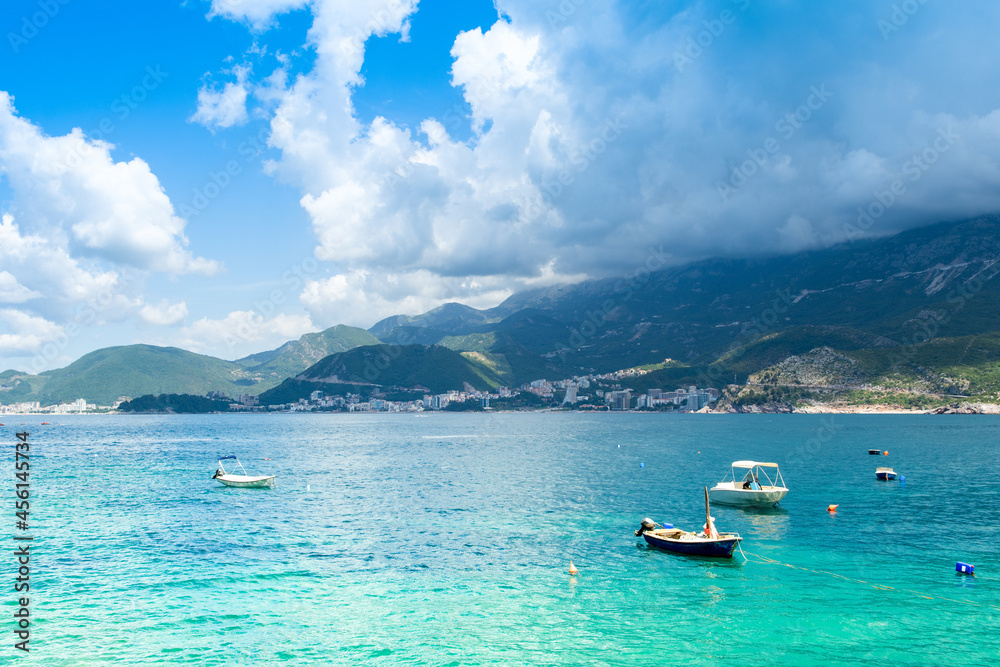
(446, 539)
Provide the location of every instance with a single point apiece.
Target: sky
(227, 175)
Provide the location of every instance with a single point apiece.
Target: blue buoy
(642, 465)
(965, 568)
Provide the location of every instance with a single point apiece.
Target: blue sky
(227, 175)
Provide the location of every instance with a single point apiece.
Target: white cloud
(28, 333)
(590, 144)
(12, 291)
(258, 13)
(40, 266)
(165, 314)
(70, 188)
(243, 332)
(360, 298)
(224, 108)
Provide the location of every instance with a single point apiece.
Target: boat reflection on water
(767, 522)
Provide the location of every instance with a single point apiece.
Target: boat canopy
(755, 469)
(226, 458)
(753, 464)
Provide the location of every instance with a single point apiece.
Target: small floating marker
(642, 465)
(965, 568)
(885, 453)
(832, 508)
(619, 446)
(572, 568)
(307, 487)
(902, 479)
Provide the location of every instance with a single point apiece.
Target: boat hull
(720, 548)
(738, 497)
(885, 476)
(239, 481)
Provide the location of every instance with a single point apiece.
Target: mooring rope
(881, 587)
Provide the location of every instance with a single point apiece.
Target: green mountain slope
(434, 368)
(453, 318)
(295, 356)
(736, 312)
(134, 370)
(721, 319)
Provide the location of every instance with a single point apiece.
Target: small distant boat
(742, 487)
(875, 452)
(245, 480)
(709, 542)
(885, 474)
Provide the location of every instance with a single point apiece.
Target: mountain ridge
(727, 317)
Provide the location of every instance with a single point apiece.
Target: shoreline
(983, 409)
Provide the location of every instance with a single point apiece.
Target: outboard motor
(647, 524)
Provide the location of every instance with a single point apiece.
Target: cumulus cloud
(70, 188)
(361, 297)
(601, 129)
(11, 291)
(27, 333)
(38, 266)
(164, 314)
(226, 107)
(243, 332)
(256, 12)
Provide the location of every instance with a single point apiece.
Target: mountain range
(914, 311)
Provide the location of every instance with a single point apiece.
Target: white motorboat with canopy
(245, 480)
(750, 484)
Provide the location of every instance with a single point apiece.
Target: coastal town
(604, 392)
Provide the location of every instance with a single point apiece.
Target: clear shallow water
(445, 540)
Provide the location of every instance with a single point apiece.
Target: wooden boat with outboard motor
(709, 542)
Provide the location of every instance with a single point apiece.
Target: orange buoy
(885, 453)
(832, 508)
(572, 568)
